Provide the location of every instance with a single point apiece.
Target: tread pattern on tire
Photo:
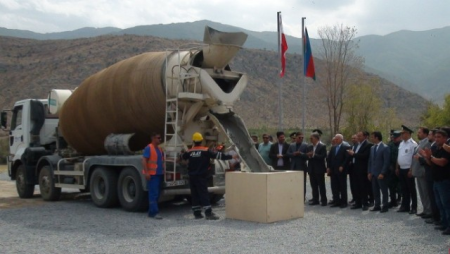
(27, 190)
(110, 178)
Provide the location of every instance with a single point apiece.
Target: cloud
(368, 16)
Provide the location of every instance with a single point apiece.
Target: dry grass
(3, 168)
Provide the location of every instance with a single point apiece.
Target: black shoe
(446, 232)
(351, 202)
(331, 202)
(402, 210)
(313, 203)
(323, 204)
(371, 203)
(355, 207)
(437, 223)
(156, 217)
(343, 206)
(392, 204)
(442, 228)
(198, 216)
(429, 221)
(375, 209)
(426, 216)
(413, 211)
(365, 208)
(311, 200)
(335, 205)
(384, 209)
(420, 214)
(212, 216)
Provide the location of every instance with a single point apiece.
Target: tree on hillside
(364, 109)
(339, 54)
(437, 116)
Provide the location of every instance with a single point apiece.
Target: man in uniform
(393, 182)
(199, 162)
(403, 171)
(153, 169)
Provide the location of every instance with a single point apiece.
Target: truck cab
(31, 128)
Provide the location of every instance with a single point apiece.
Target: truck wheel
(47, 185)
(215, 198)
(131, 194)
(23, 189)
(103, 186)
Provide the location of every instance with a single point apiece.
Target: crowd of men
(381, 175)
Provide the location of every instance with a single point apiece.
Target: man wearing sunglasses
(153, 169)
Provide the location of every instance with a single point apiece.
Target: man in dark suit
(278, 153)
(317, 153)
(360, 160)
(379, 161)
(297, 152)
(337, 171)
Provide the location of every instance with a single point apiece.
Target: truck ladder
(173, 120)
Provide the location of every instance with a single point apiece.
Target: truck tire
(47, 185)
(132, 196)
(23, 189)
(103, 186)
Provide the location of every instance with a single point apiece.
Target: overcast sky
(379, 17)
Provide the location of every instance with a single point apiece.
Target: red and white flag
(283, 45)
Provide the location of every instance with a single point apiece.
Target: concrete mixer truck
(91, 138)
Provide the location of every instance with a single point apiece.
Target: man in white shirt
(404, 161)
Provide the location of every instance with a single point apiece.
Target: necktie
(337, 149)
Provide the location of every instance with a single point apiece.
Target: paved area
(75, 225)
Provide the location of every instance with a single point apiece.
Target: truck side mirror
(4, 119)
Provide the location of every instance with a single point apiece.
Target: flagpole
(280, 104)
(304, 80)
(280, 101)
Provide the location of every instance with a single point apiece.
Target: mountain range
(30, 68)
(416, 61)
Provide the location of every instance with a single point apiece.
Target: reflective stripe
(198, 148)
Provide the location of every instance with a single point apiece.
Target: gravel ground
(76, 226)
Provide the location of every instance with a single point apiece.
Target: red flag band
(283, 46)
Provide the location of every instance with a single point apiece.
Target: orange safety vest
(152, 162)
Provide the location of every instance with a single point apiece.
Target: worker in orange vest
(153, 170)
(198, 169)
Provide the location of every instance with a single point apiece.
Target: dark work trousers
(352, 182)
(317, 182)
(377, 186)
(199, 194)
(409, 193)
(339, 187)
(392, 183)
(362, 188)
(154, 189)
(434, 208)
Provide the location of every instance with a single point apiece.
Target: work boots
(212, 216)
(198, 215)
